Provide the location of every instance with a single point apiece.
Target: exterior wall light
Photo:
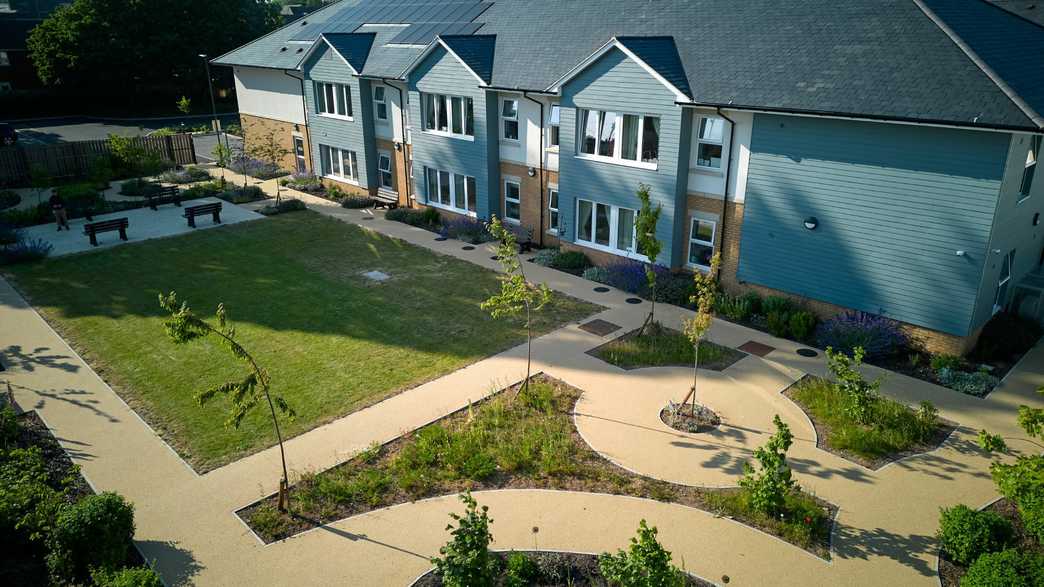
(811, 222)
(531, 171)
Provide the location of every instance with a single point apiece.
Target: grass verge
(664, 347)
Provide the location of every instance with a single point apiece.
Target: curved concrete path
(186, 523)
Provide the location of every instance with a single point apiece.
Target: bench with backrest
(166, 195)
(93, 228)
(389, 200)
(202, 210)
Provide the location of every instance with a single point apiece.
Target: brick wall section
(530, 200)
(550, 240)
(256, 128)
(398, 168)
(727, 236)
(348, 188)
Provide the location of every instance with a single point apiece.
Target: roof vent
(304, 22)
(283, 49)
(299, 50)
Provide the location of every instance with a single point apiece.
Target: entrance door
(299, 152)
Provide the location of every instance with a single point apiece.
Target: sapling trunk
(695, 375)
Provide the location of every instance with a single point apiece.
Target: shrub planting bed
(186, 175)
(664, 347)
(528, 442)
(1020, 540)
(893, 431)
(9, 199)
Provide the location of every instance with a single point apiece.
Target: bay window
(607, 227)
(509, 113)
(449, 115)
(452, 191)
(628, 138)
(339, 163)
(701, 242)
(709, 142)
(380, 103)
(512, 200)
(333, 99)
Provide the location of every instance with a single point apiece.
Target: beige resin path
(185, 521)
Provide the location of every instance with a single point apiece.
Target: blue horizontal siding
(894, 203)
(326, 66)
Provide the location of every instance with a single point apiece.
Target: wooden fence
(71, 161)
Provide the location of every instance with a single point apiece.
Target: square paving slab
(756, 348)
(599, 327)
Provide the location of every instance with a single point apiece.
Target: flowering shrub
(303, 182)
(16, 248)
(466, 229)
(247, 165)
(186, 175)
(596, 274)
(877, 335)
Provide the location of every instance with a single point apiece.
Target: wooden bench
(202, 210)
(92, 229)
(389, 200)
(165, 195)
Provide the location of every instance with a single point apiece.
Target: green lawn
(333, 341)
(664, 347)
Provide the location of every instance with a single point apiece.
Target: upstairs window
(709, 142)
(380, 104)
(1032, 156)
(333, 99)
(450, 115)
(509, 113)
(628, 138)
(554, 120)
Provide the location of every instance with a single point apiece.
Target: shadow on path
(853, 543)
(363, 537)
(15, 358)
(77, 397)
(175, 564)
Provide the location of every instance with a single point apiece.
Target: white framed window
(452, 191)
(380, 103)
(384, 171)
(1032, 156)
(554, 121)
(299, 153)
(1003, 281)
(512, 200)
(340, 164)
(5, 59)
(448, 115)
(552, 208)
(333, 100)
(709, 142)
(509, 116)
(701, 241)
(606, 227)
(630, 139)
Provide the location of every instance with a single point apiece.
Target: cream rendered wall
(269, 93)
(712, 182)
(390, 129)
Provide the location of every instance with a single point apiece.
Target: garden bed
(552, 569)
(950, 572)
(663, 347)
(896, 432)
(528, 443)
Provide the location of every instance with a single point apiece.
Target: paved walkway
(185, 522)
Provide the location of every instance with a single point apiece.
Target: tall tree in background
(100, 47)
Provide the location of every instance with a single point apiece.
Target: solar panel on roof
(422, 34)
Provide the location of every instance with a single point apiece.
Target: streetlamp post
(213, 111)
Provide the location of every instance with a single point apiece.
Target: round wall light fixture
(811, 222)
(531, 171)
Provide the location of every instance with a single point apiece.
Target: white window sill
(700, 268)
(382, 121)
(706, 170)
(507, 141)
(552, 149)
(347, 180)
(336, 117)
(449, 135)
(615, 161)
(512, 221)
(552, 232)
(449, 208)
(1022, 199)
(619, 253)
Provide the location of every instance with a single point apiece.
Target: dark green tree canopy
(108, 45)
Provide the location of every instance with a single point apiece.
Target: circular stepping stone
(634, 300)
(601, 289)
(440, 238)
(807, 352)
(468, 248)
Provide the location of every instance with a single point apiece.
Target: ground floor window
(701, 242)
(552, 209)
(605, 226)
(384, 170)
(299, 154)
(1000, 299)
(339, 163)
(453, 191)
(512, 200)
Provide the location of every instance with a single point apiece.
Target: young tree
(769, 486)
(646, 563)
(516, 294)
(184, 105)
(648, 245)
(40, 179)
(696, 328)
(269, 150)
(465, 560)
(184, 326)
(861, 395)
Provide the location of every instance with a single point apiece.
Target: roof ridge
(1013, 13)
(276, 30)
(974, 57)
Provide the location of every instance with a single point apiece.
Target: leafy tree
(184, 326)
(27, 502)
(648, 245)
(645, 563)
(696, 328)
(1023, 481)
(516, 294)
(465, 560)
(184, 105)
(860, 394)
(269, 150)
(95, 532)
(768, 487)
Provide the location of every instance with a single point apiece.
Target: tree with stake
(648, 245)
(696, 328)
(271, 151)
(516, 294)
(184, 326)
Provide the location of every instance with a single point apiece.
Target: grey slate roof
(865, 58)
(354, 47)
(477, 51)
(661, 54)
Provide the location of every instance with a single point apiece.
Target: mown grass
(664, 347)
(894, 429)
(332, 340)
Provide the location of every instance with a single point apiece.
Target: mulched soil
(685, 421)
(823, 430)
(950, 573)
(601, 476)
(21, 563)
(557, 569)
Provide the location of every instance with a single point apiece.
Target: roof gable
(665, 65)
(352, 48)
(475, 51)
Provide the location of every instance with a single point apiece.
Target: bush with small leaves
(287, 205)
(1008, 568)
(966, 534)
(595, 274)
(778, 323)
(992, 442)
(1021, 483)
(645, 563)
(544, 257)
(573, 262)
(737, 309)
(94, 533)
(9, 430)
(877, 336)
(802, 324)
(9, 199)
(755, 301)
(465, 560)
(127, 577)
(520, 570)
(978, 383)
(860, 394)
(27, 502)
(944, 361)
(768, 487)
(777, 304)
